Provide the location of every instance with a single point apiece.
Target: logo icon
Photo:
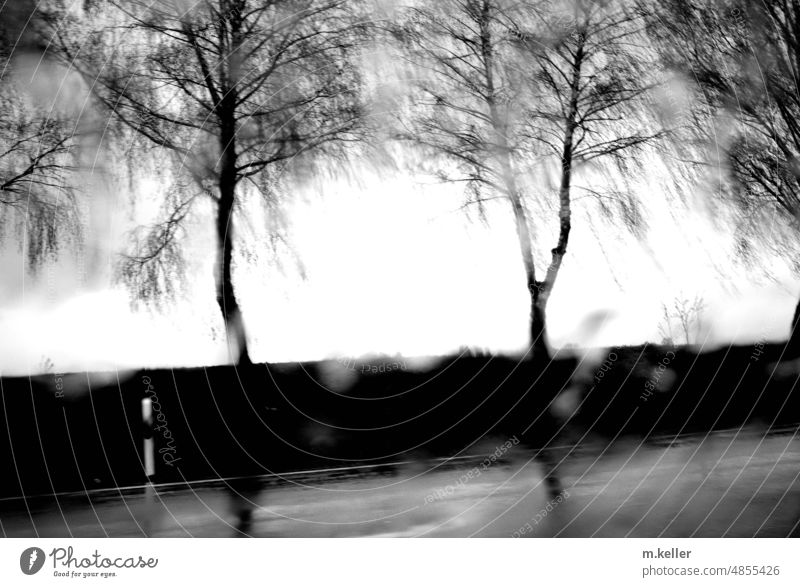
(31, 560)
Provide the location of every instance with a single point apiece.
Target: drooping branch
(38, 162)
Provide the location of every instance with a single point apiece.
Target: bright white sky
(393, 266)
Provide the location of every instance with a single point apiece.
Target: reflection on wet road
(734, 483)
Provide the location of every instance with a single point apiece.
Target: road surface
(739, 483)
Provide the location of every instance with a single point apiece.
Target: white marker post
(149, 465)
(149, 445)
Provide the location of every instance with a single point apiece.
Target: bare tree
(743, 60)
(234, 91)
(688, 315)
(590, 74)
(665, 327)
(37, 146)
(509, 86)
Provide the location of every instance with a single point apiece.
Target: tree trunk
(537, 326)
(564, 197)
(226, 103)
(226, 298)
(792, 350)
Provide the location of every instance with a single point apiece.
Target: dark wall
(272, 418)
(76, 437)
(226, 422)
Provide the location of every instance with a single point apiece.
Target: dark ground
(387, 442)
(738, 483)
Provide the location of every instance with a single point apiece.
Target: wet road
(739, 483)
